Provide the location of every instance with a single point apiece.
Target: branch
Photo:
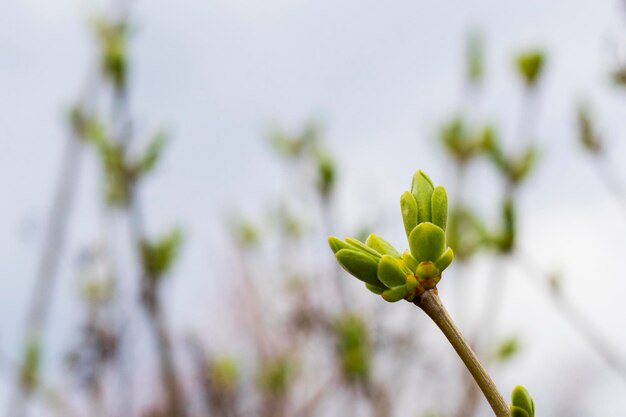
(430, 303)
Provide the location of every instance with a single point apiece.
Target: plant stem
(430, 303)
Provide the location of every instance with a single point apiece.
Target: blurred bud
(514, 168)
(275, 376)
(522, 404)
(555, 283)
(587, 135)
(223, 375)
(31, 364)
(353, 347)
(379, 264)
(529, 65)
(475, 58)
(504, 241)
(466, 234)
(293, 146)
(619, 76)
(97, 291)
(158, 256)
(458, 142)
(113, 38)
(507, 349)
(152, 153)
(326, 173)
(246, 233)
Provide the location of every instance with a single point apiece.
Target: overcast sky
(380, 76)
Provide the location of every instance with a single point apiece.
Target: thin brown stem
(430, 303)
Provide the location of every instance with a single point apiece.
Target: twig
(47, 270)
(430, 303)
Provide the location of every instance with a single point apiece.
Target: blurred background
(170, 172)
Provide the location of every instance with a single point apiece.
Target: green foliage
(522, 404)
(122, 171)
(158, 256)
(514, 168)
(152, 153)
(275, 376)
(389, 274)
(529, 65)
(223, 373)
(353, 347)
(31, 364)
(587, 134)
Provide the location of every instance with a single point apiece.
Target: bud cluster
(406, 276)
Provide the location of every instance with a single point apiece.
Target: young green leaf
(395, 294)
(360, 265)
(408, 206)
(374, 289)
(439, 210)
(444, 260)
(390, 272)
(422, 189)
(520, 398)
(427, 242)
(381, 246)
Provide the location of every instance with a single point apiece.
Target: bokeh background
(378, 80)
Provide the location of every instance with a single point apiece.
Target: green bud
(395, 294)
(529, 65)
(408, 206)
(390, 272)
(427, 270)
(381, 246)
(445, 260)
(439, 206)
(427, 242)
(521, 400)
(360, 265)
(422, 189)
